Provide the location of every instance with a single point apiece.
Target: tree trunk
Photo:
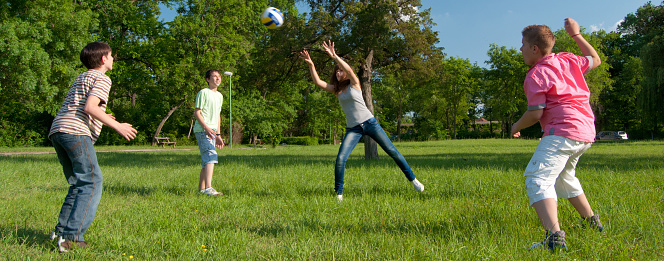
(163, 121)
(370, 148)
(399, 114)
(454, 124)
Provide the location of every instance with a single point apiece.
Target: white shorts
(551, 171)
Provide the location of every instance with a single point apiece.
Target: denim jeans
(207, 149)
(79, 164)
(372, 128)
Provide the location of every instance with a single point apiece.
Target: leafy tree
(375, 34)
(504, 96)
(40, 43)
(643, 31)
(459, 83)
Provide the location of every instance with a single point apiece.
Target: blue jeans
(207, 149)
(79, 164)
(371, 128)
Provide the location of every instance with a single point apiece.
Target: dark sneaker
(594, 223)
(64, 245)
(554, 241)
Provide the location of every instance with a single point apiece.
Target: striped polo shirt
(72, 118)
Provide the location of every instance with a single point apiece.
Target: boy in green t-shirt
(206, 128)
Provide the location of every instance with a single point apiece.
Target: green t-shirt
(209, 102)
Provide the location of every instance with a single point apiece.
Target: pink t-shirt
(556, 84)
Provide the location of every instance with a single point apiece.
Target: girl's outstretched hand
(329, 48)
(305, 56)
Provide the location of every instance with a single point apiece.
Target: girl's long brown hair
(338, 86)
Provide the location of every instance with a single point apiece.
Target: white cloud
(615, 26)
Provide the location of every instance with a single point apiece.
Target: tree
(40, 43)
(643, 31)
(504, 96)
(459, 83)
(375, 34)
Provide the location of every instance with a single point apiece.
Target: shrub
(305, 140)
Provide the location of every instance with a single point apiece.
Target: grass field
(279, 204)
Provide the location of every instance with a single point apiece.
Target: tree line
(414, 89)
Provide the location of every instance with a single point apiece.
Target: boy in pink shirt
(558, 97)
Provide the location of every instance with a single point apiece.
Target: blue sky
(467, 28)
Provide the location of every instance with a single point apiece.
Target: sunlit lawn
(279, 204)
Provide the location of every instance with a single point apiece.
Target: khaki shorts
(551, 171)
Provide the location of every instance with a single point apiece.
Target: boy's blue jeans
(372, 128)
(79, 164)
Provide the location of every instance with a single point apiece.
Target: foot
(64, 245)
(340, 197)
(554, 241)
(418, 186)
(210, 192)
(594, 223)
(53, 236)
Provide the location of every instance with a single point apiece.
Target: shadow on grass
(442, 161)
(30, 237)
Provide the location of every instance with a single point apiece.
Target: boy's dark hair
(338, 86)
(93, 52)
(539, 35)
(209, 73)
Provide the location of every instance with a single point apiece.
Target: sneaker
(593, 222)
(554, 241)
(340, 197)
(64, 245)
(211, 192)
(418, 186)
(53, 236)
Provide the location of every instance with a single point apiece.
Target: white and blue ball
(272, 18)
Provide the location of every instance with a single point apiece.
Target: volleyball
(272, 18)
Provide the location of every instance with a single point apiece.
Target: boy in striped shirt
(74, 130)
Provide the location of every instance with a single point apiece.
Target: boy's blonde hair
(539, 35)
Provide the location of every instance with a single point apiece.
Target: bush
(305, 140)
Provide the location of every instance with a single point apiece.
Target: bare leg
(205, 180)
(581, 205)
(547, 211)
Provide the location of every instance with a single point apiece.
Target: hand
(571, 26)
(211, 133)
(126, 131)
(329, 48)
(515, 131)
(219, 142)
(305, 56)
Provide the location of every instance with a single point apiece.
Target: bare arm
(219, 143)
(314, 75)
(199, 117)
(329, 48)
(572, 28)
(528, 119)
(92, 108)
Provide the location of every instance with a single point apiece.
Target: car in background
(611, 135)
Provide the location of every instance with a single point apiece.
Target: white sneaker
(211, 192)
(53, 235)
(418, 186)
(61, 248)
(340, 197)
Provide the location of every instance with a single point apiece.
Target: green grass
(279, 204)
